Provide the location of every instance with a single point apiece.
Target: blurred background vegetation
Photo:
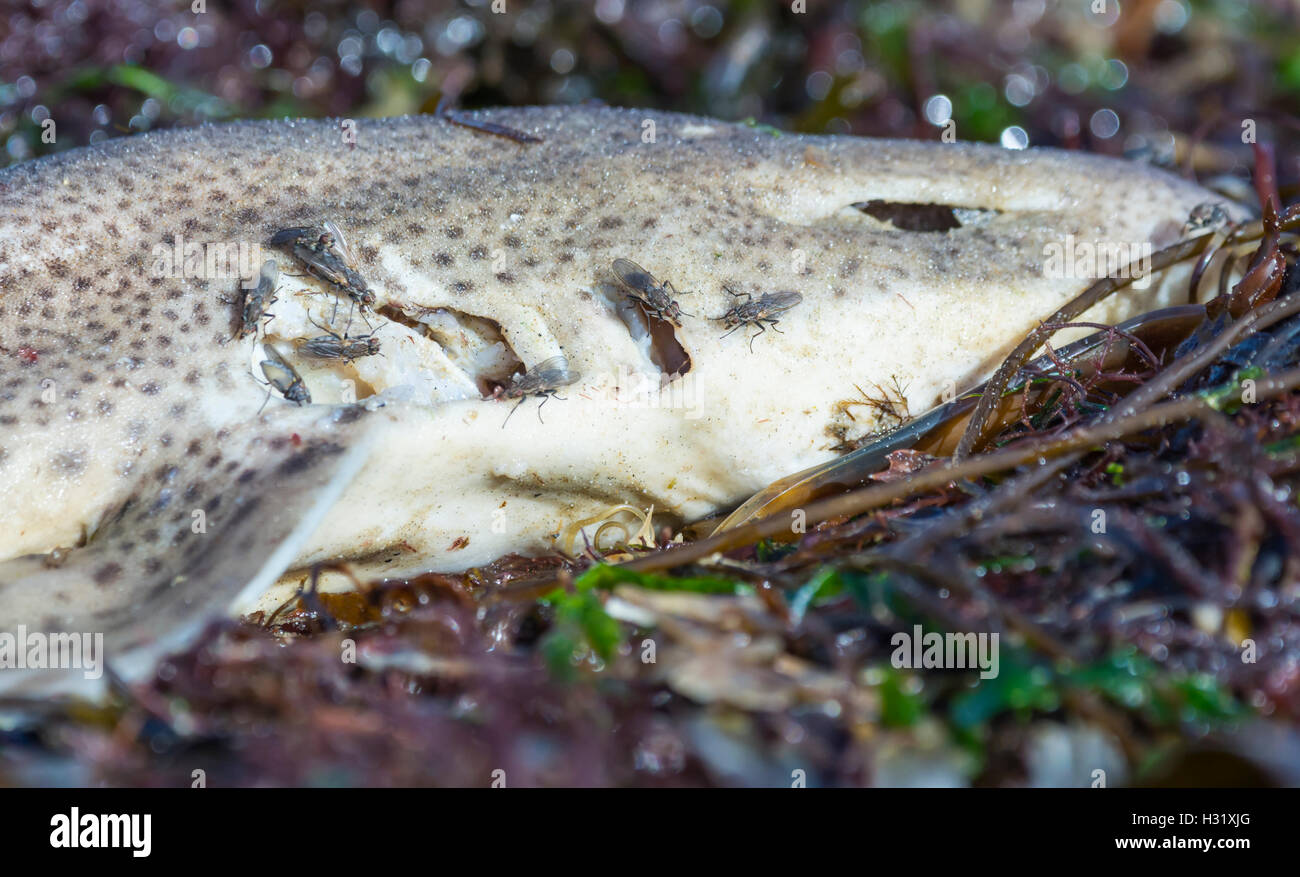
(1146, 78)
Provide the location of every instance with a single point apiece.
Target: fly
(542, 380)
(258, 299)
(332, 345)
(757, 312)
(283, 377)
(325, 252)
(655, 297)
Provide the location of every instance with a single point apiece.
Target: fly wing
(275, 359)
(189, 544)
(267, 278)
(280, 376)
(340, 243)
(633, 276)
(321, 347)
(291, 235)
(776, 302)
(553, 372)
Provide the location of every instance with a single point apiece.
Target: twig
(980, 422)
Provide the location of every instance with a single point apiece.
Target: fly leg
(513, 410)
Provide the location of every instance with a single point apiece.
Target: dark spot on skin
(445, 260)
(309, 457)
(462, 286)
(107, 574)
(70, 462)
(455, 232)
(164, 499)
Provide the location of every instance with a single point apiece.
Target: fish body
(138, 446)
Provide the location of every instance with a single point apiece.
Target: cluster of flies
(658, 300)
(324, 252)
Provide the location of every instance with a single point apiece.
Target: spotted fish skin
(128, 402)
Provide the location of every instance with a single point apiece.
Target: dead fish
(753, 312)
(137, 437)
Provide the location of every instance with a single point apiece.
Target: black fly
(325, 252)
(283, 377)
(542, 380)
(655, 297)
(332, 345)
(259, 298)
(757, 312)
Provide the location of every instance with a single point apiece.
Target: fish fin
(162, 565)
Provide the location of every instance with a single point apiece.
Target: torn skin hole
(397, 315)
(666, 351)
(364, 389)
(912, 217)
(476, 345)
(655, 337)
